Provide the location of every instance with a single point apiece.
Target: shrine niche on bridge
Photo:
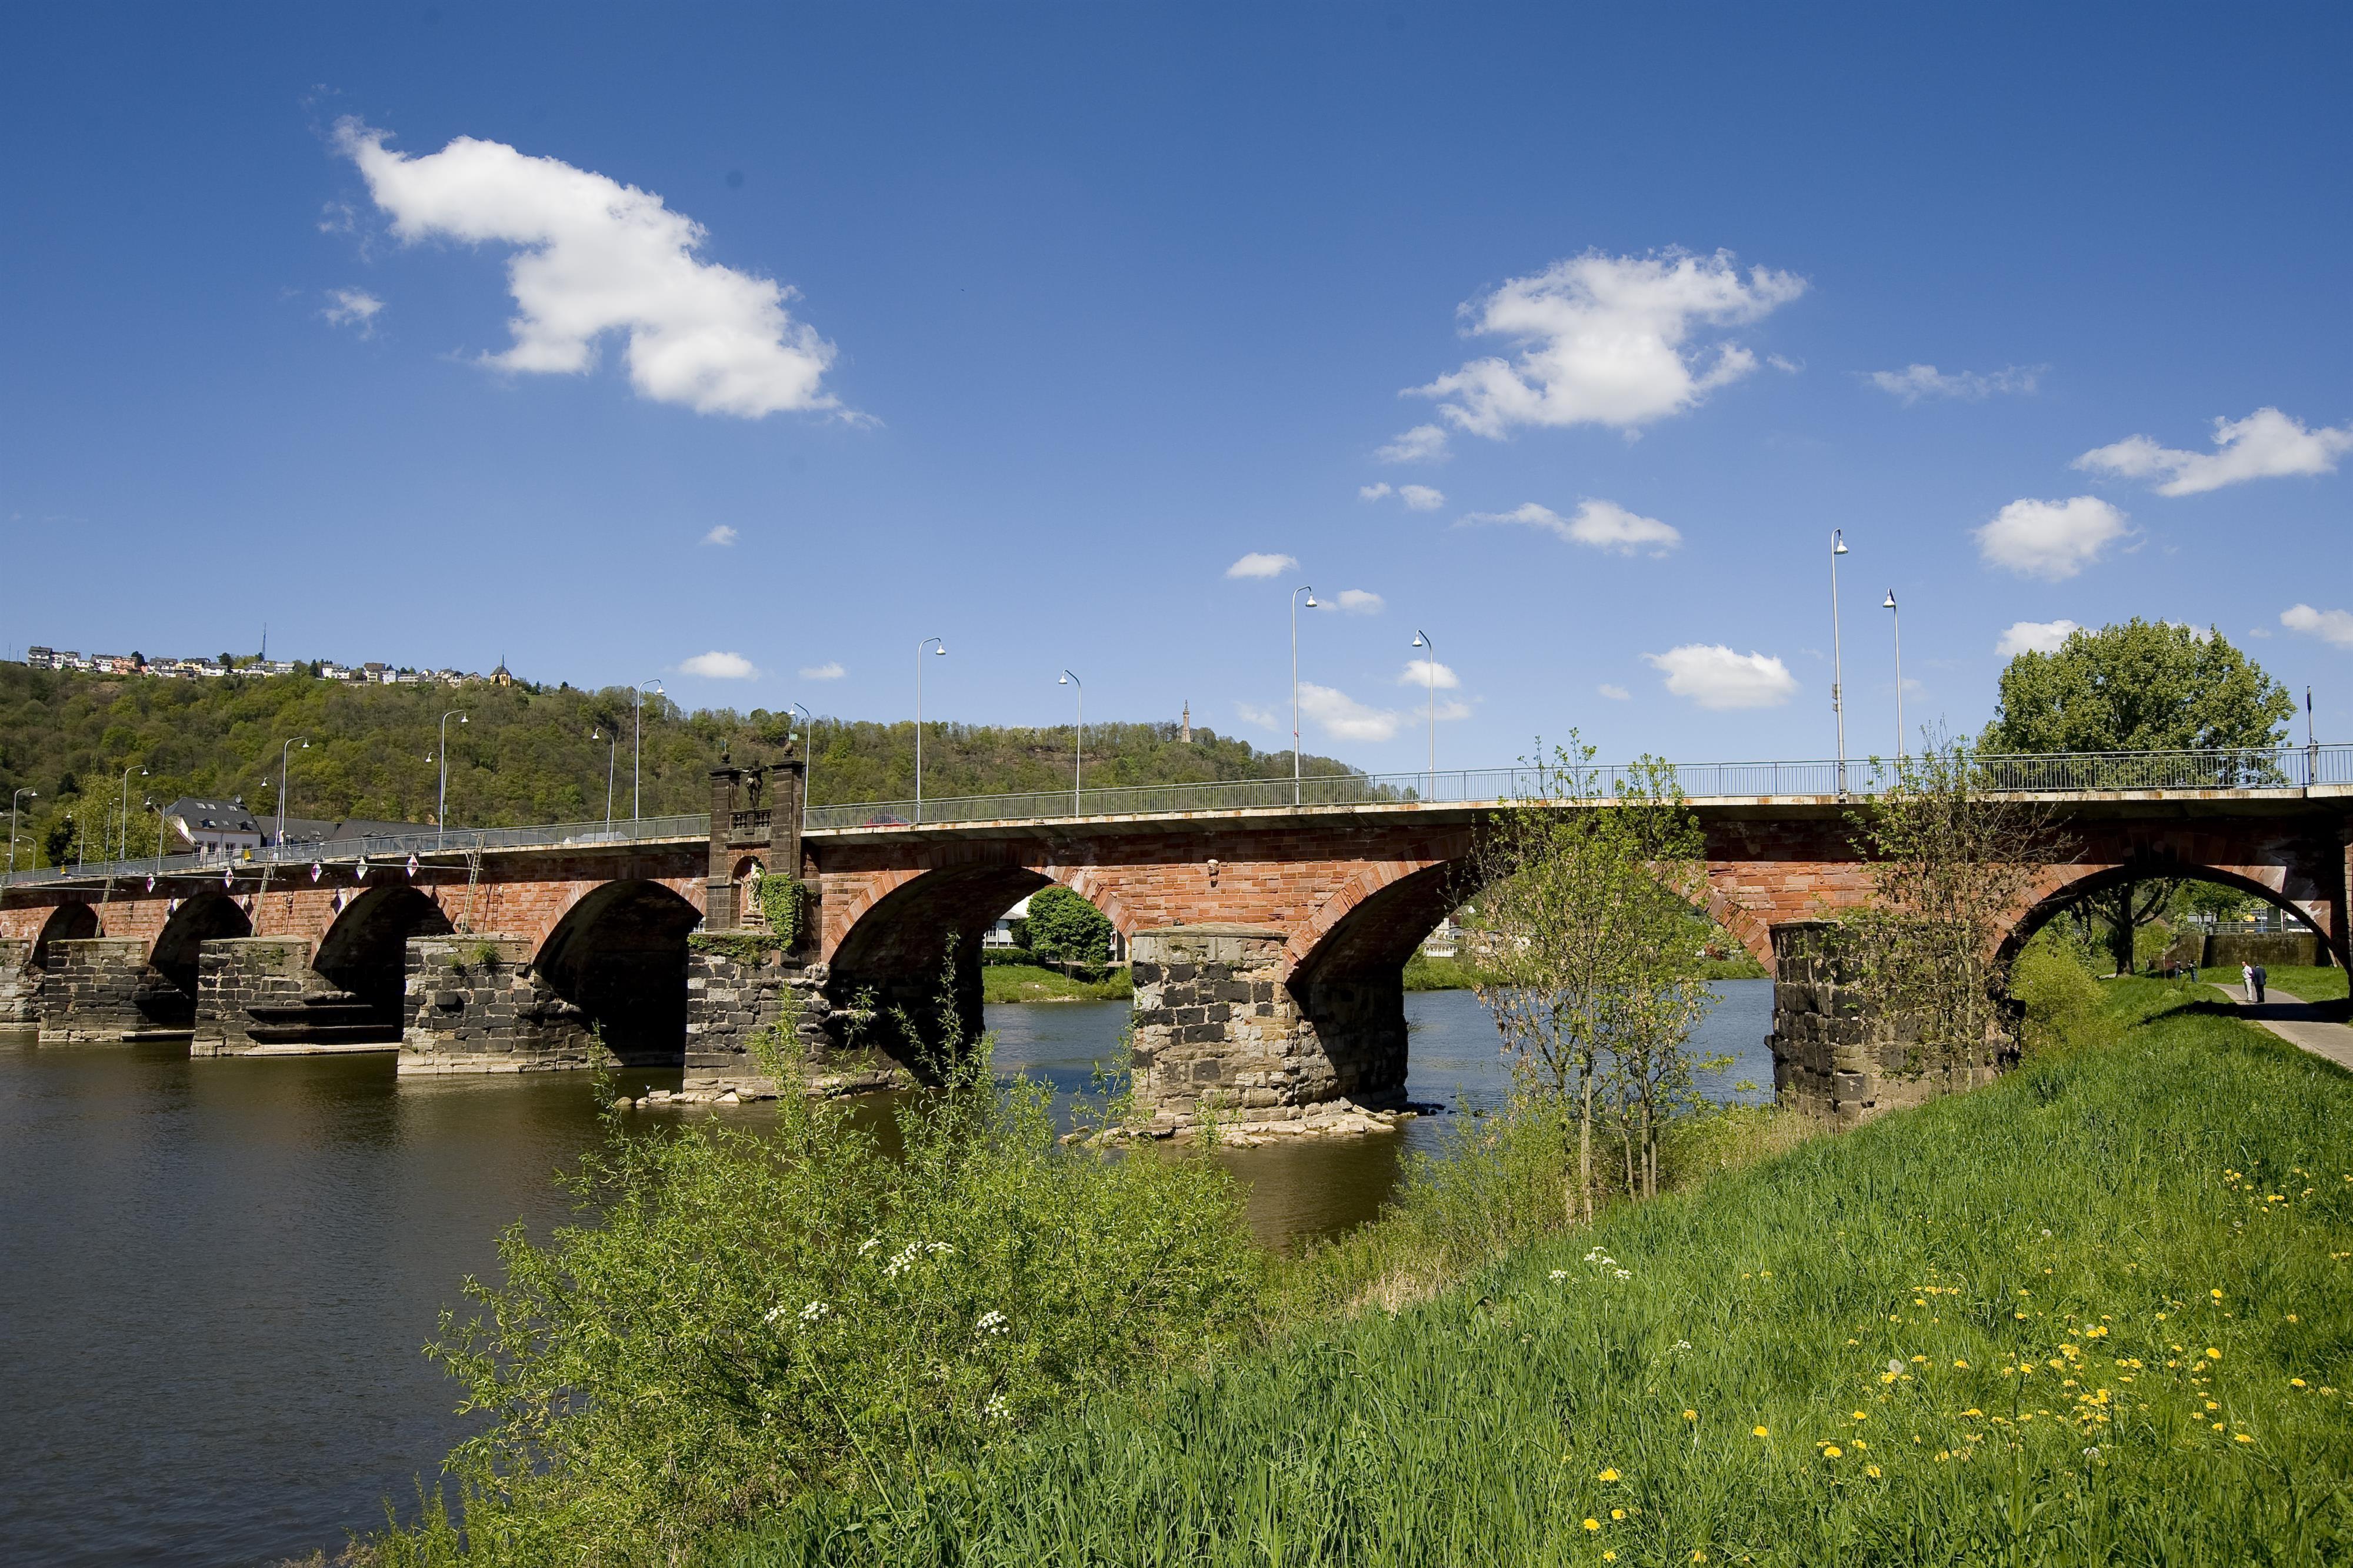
(514, 951)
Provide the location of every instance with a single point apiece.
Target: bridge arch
(2064, 887)
(618, 954)
(197, 920)
(366, 952)
(67, 922)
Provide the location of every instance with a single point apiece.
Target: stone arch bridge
(1269, 923)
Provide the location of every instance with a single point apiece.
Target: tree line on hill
(523, 754)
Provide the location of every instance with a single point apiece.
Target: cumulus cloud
(1265, 717)
(592, 257)
(830, 670)
(722, 534)
(1359, 602)
(1602, 524)
(717, 666)
(1416, 497)
(2034, 637)
(1713, 676)
(1423, 444)
(1258, 563)
(2265, 445)
(1915, 381)
(1342, 717)
(353, 308)
(1426, 673)
(1607, 339)
(1615, 693)
(2329, 626)
(2053, 539)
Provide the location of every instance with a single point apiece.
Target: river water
(215, 1276)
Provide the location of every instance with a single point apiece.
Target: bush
(2051, 981)
(1065, 928)
(758, 1315)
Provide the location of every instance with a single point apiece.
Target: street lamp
(612, 758)
(940, 652)
(1079, 751)
(162, 822)
(808, 768)
(285, 755)
(441, 803)
(1838, 704)
(1895, 621)
(12, 830)
(637, 746)
(1429, 661)
(122, 831)
(1294, 685)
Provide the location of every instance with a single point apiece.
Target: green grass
(1815, 1359)
(1425, 971)
(2314, 984)
(1028, 983)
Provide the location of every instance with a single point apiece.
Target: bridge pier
(258, 995)
(1833, 1057)
(475, 1005)
(101, 990)
(1217, 1018)
(20, 984)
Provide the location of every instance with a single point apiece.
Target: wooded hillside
(524, 755)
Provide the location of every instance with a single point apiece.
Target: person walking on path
(2246, 982)
(2263, 977)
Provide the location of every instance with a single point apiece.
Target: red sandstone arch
(67, 922)
(208, 915)
(954, 884)
(618, 954)
(366, 951)
(2061, 885)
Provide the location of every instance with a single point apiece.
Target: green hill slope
(524, 755)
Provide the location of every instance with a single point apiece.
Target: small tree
(1064, 927)
(1586, 960)
(1950, 868)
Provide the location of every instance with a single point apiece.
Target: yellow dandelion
(1832, 1451)
(2241, 1437)
(1871, 1470)
(1759, 1431)
(2216, 1294)
(1691, 1414)
(1617, 1513)
(1609, 1475)
(1962, 1365)
(1861, 1414)
(1609, 1557)
(1592, 1523)
(2296, 1382)
(2213, 1355)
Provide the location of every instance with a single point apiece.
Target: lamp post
(638, 747)
(122, 831)
(12, 831)
(1429, 661)
(162, 822)
(441, 802)
(1838, 704)
(808, 768)
(1895, 623)
(1079, 751)
(1295, 684)
(612, 758)
(940, 652)
(285, 755)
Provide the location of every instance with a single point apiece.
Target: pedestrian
(2262, 978)
(2246, 982)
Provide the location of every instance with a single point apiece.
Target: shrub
(1064, 927)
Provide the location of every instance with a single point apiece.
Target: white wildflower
(990, 1323)
(1560, 1273)
(1625, 1274)
(998, 1407)
(813, 1312)
(776, 1314)
(937, 1247)
(869, 1245)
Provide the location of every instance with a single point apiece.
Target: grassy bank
(1425, 971)
(2101, 1312)
(1029, 982)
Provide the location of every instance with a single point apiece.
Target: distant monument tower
(1185, 732)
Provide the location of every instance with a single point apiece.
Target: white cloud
(1915, 381)
(1359, 602)
(717, 666)
(1258, 563)
(2053, 539)
(2034, 637)
(722, 535)
(594, 255)
(830, 670)
(1416, 497)
(1265, 717)
(1615, 693)
(1425, 674)
(1423, 444)
(1713, 676)
(2329, 626)
(2265, 445)
(353, 308)
(1606, 340)
(1342, 717)
(1603, 525)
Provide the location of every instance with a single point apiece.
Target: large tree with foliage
(1066, 929)
(2144, 686)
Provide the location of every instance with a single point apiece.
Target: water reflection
(215, 1276)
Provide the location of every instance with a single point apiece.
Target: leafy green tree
(1065, 928)
(2144, 686)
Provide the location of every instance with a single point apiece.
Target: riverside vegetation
(2100, 1311)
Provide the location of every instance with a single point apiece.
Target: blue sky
(1023, 325)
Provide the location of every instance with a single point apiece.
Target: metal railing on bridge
(2084, 772)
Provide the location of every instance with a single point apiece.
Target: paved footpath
(2296, 1021)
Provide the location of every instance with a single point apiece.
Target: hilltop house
(214, 828)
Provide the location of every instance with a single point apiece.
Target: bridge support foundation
(259, 996)
(475, 1005)
(101, 990)
(729, 1000)
(1215, 1022)
(20, 984)
(1833, 1057)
